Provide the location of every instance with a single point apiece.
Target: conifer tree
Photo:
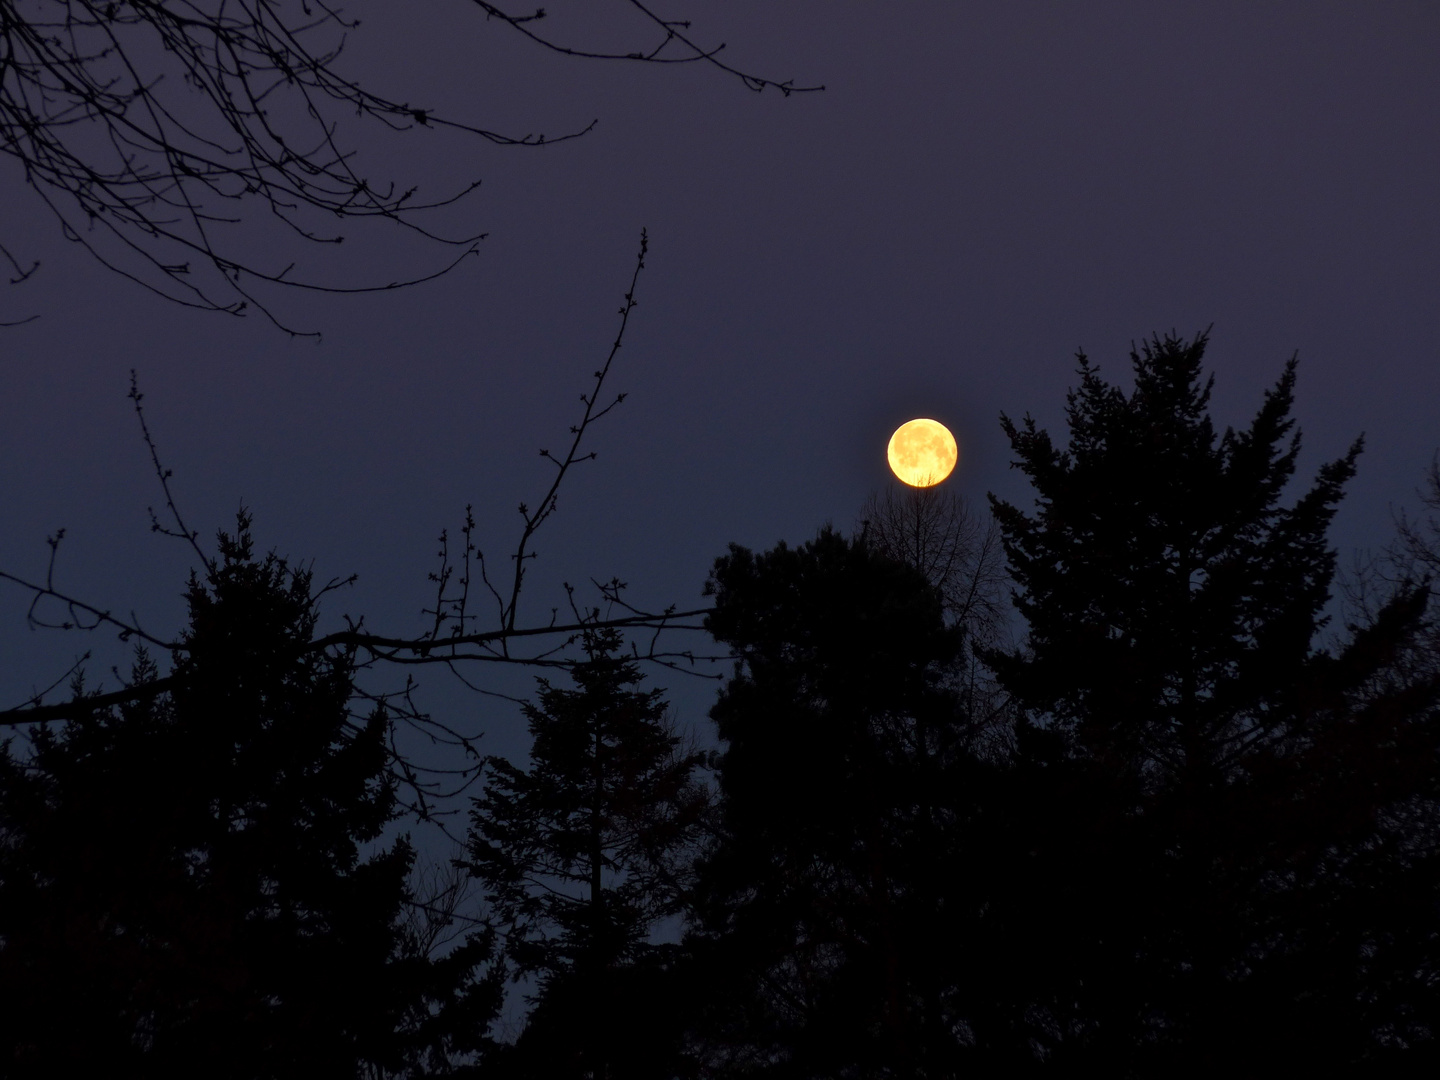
(1230, 828)
(582, 855)
(193, 884)
(1169, 594)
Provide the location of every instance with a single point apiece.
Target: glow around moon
(922, 453)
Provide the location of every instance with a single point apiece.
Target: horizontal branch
(82, 706)
(396, 650)
(425, 645)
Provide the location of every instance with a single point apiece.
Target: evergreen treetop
(1169, 593)
(582, 855)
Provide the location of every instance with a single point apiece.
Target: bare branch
(145, 126)
(547, 504)
(180, 531)
(673, 46)
(451, 639)
(73, 710)
(958, 551)
(80, 615)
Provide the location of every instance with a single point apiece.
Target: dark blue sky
(981, 190)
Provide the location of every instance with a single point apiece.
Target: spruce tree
(1169, 594)
(195, 884)
(582, 855)
(1229, 826)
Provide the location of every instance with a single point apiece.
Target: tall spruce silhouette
(582, 855)
(185, 887)
(1227, 830)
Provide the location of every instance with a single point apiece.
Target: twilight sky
(982, 189)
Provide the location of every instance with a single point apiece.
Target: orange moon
(922, 453)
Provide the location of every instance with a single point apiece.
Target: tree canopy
(1186, 824)
(584, 853)
(1226, 793)
(198, 882)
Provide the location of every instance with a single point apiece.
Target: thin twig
(593, 412)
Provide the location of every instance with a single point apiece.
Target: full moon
(922, 453)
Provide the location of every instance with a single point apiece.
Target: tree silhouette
(821, 914)
(194, 883)
(583, 854)
(1168, 594)
(147, 127)
(1232, 830)
(1415, 556)
(1211, 841)
(1210, 844)
(958, 550)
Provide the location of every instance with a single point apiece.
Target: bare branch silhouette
(78, 614)
(453, 638)
(674, 46)
(148, 126)
(1419, 538)
(593, 412)
(958, 551)
(21, 274)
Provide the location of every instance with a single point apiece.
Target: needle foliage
(582, 855)
(194, 884)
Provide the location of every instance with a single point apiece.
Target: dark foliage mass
(1184, 827)
(582, 855)
(839, 776)
(184, 884)
(1233, 826)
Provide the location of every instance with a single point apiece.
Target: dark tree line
(1204, 841)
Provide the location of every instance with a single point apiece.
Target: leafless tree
(151, 127)
(435, 919)
(1419, 538)
(934, 530)
(1415, 556)
(958, 550)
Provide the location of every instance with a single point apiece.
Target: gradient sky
(981, 190)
